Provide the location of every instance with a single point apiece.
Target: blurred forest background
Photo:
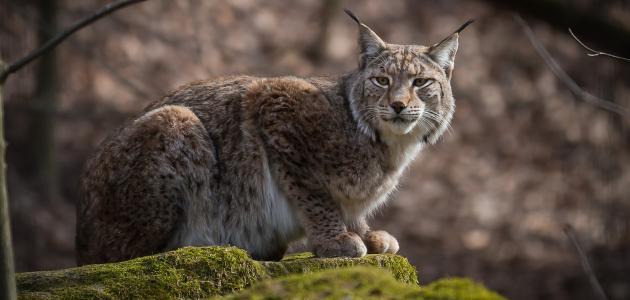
(525, 157)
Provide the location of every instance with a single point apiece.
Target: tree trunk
(317, 50)
(7, 270)
(43, 108)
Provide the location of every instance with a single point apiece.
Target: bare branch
(601, 31)
(7, 271)
(565, 78)
(595, 52)
(586, 265)
(137, 89)
(105, 10)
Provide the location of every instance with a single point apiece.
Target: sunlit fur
(260, 162)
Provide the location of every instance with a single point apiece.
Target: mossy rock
(301, 263)
(185, 273)
(361, 283)
(191, 272)
(457, 288)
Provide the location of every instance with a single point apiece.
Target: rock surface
(204, 272)
(361, 283)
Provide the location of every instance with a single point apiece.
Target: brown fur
(258, 162)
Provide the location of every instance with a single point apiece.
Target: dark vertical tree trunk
(43, 107)
(7, 270)
(317, 51)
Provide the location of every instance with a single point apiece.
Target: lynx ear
(443, 53)
(369, 42)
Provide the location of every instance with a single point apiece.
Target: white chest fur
(374, 188)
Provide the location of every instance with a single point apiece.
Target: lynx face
(404, 89)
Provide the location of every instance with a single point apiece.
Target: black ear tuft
(461, 28)
(369, 42)
(352, 15)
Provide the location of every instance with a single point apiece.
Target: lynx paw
(346, 244)
(380, 242)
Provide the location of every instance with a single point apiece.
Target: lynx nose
(398, 106)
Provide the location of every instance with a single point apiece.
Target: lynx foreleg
(377, 241)
(321, 217)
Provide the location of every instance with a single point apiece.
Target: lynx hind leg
(136, 188)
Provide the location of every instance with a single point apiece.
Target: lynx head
(403, 89)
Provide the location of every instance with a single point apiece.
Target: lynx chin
(260, 162)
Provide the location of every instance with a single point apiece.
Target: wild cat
(260, 162)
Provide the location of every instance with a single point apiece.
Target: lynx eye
(381, 81)
(422, 82)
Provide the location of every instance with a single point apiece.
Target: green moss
(186, 273)
(361, 283)
(457, 288)
(300, 263)
(213, 271)
(347, 283)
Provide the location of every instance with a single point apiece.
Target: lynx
(260, 162)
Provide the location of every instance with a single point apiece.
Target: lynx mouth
(398, 120)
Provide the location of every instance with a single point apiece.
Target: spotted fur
(260, 162)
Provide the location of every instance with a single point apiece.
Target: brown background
(525, 155)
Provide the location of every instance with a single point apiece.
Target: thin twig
(138, 90)
(586, 265)
(595, 52)
(565, 78)
(105, 10)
